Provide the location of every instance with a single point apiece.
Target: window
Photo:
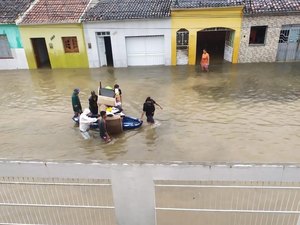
(70, 44)
(257, 35)
(182, 39)
(5, 51)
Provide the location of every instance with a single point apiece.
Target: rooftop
(128, 9)
(55, 11)
(10, 10)
(205, 3)
(271, 6)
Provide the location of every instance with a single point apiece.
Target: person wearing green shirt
(76, 103)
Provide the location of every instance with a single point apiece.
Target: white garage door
(143, 51)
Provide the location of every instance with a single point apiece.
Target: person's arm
(158, 105)
(207, 59)
(142, 115)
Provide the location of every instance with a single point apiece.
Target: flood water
(235, 113)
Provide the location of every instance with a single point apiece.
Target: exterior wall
(195, 20)
(267, 52)
(14, 39)
(53, 35)
(119, 30)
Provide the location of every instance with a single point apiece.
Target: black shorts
(150, 119)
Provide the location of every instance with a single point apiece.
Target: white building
(122, 34)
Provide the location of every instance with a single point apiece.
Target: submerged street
(235, 113)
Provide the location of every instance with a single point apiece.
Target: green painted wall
(53, 37)
(13, 35)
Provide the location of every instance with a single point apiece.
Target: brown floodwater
(235, 113)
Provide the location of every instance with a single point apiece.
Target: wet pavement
(235, 113)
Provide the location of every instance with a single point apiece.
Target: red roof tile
(55, 11)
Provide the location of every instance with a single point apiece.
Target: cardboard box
(104, 100)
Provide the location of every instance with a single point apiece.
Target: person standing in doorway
(102, 127)
(204, 61)
(93, 103)
(76, 103)
(149, 109)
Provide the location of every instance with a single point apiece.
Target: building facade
(53, 36)
(12, 54)
(270, 31)
(122, 33)
(198, 25)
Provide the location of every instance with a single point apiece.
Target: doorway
(104, 49)
(40, 53)
(218, 42)
(289, 44)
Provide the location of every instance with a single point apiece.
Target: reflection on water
(235, 113)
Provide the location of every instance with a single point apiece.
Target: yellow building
(54, 46)
(52, 34)
(216, 29)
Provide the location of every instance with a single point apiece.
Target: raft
(128, 123)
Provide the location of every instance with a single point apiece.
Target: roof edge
(20, 19)
(206, 8)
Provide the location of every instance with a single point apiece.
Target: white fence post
(134, 196)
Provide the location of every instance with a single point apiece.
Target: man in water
(76, 103)
(93, 103)
(84, 123)
(102, 127)
(149, 109)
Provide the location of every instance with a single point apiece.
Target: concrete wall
(267, 52)
(121, 29)
(18, 60)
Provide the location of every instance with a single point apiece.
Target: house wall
(18, 61)
(267, 52)
(119, 30)
(53, 35)
(195, 20)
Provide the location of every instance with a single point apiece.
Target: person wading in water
(149, 109)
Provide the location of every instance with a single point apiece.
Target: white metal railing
(259, 203)
(55, 201)
(148, 193)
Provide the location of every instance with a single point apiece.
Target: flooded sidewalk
(235, 113)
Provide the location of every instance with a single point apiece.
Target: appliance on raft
(116, 120)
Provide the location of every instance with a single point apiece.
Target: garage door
(146, 50)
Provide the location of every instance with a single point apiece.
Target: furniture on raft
(116, 121)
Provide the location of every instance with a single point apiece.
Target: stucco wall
(53, 35)
(121, 29)
(267, 52)
(18, 60)
(195, 20)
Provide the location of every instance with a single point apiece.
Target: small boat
(128, 123)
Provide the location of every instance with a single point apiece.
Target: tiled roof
(10, 10)
(271, 6)
(128, 9)
(55, 11)
(205, 3)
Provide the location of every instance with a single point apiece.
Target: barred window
(5, 51)
(70, 44)
(182, 38)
